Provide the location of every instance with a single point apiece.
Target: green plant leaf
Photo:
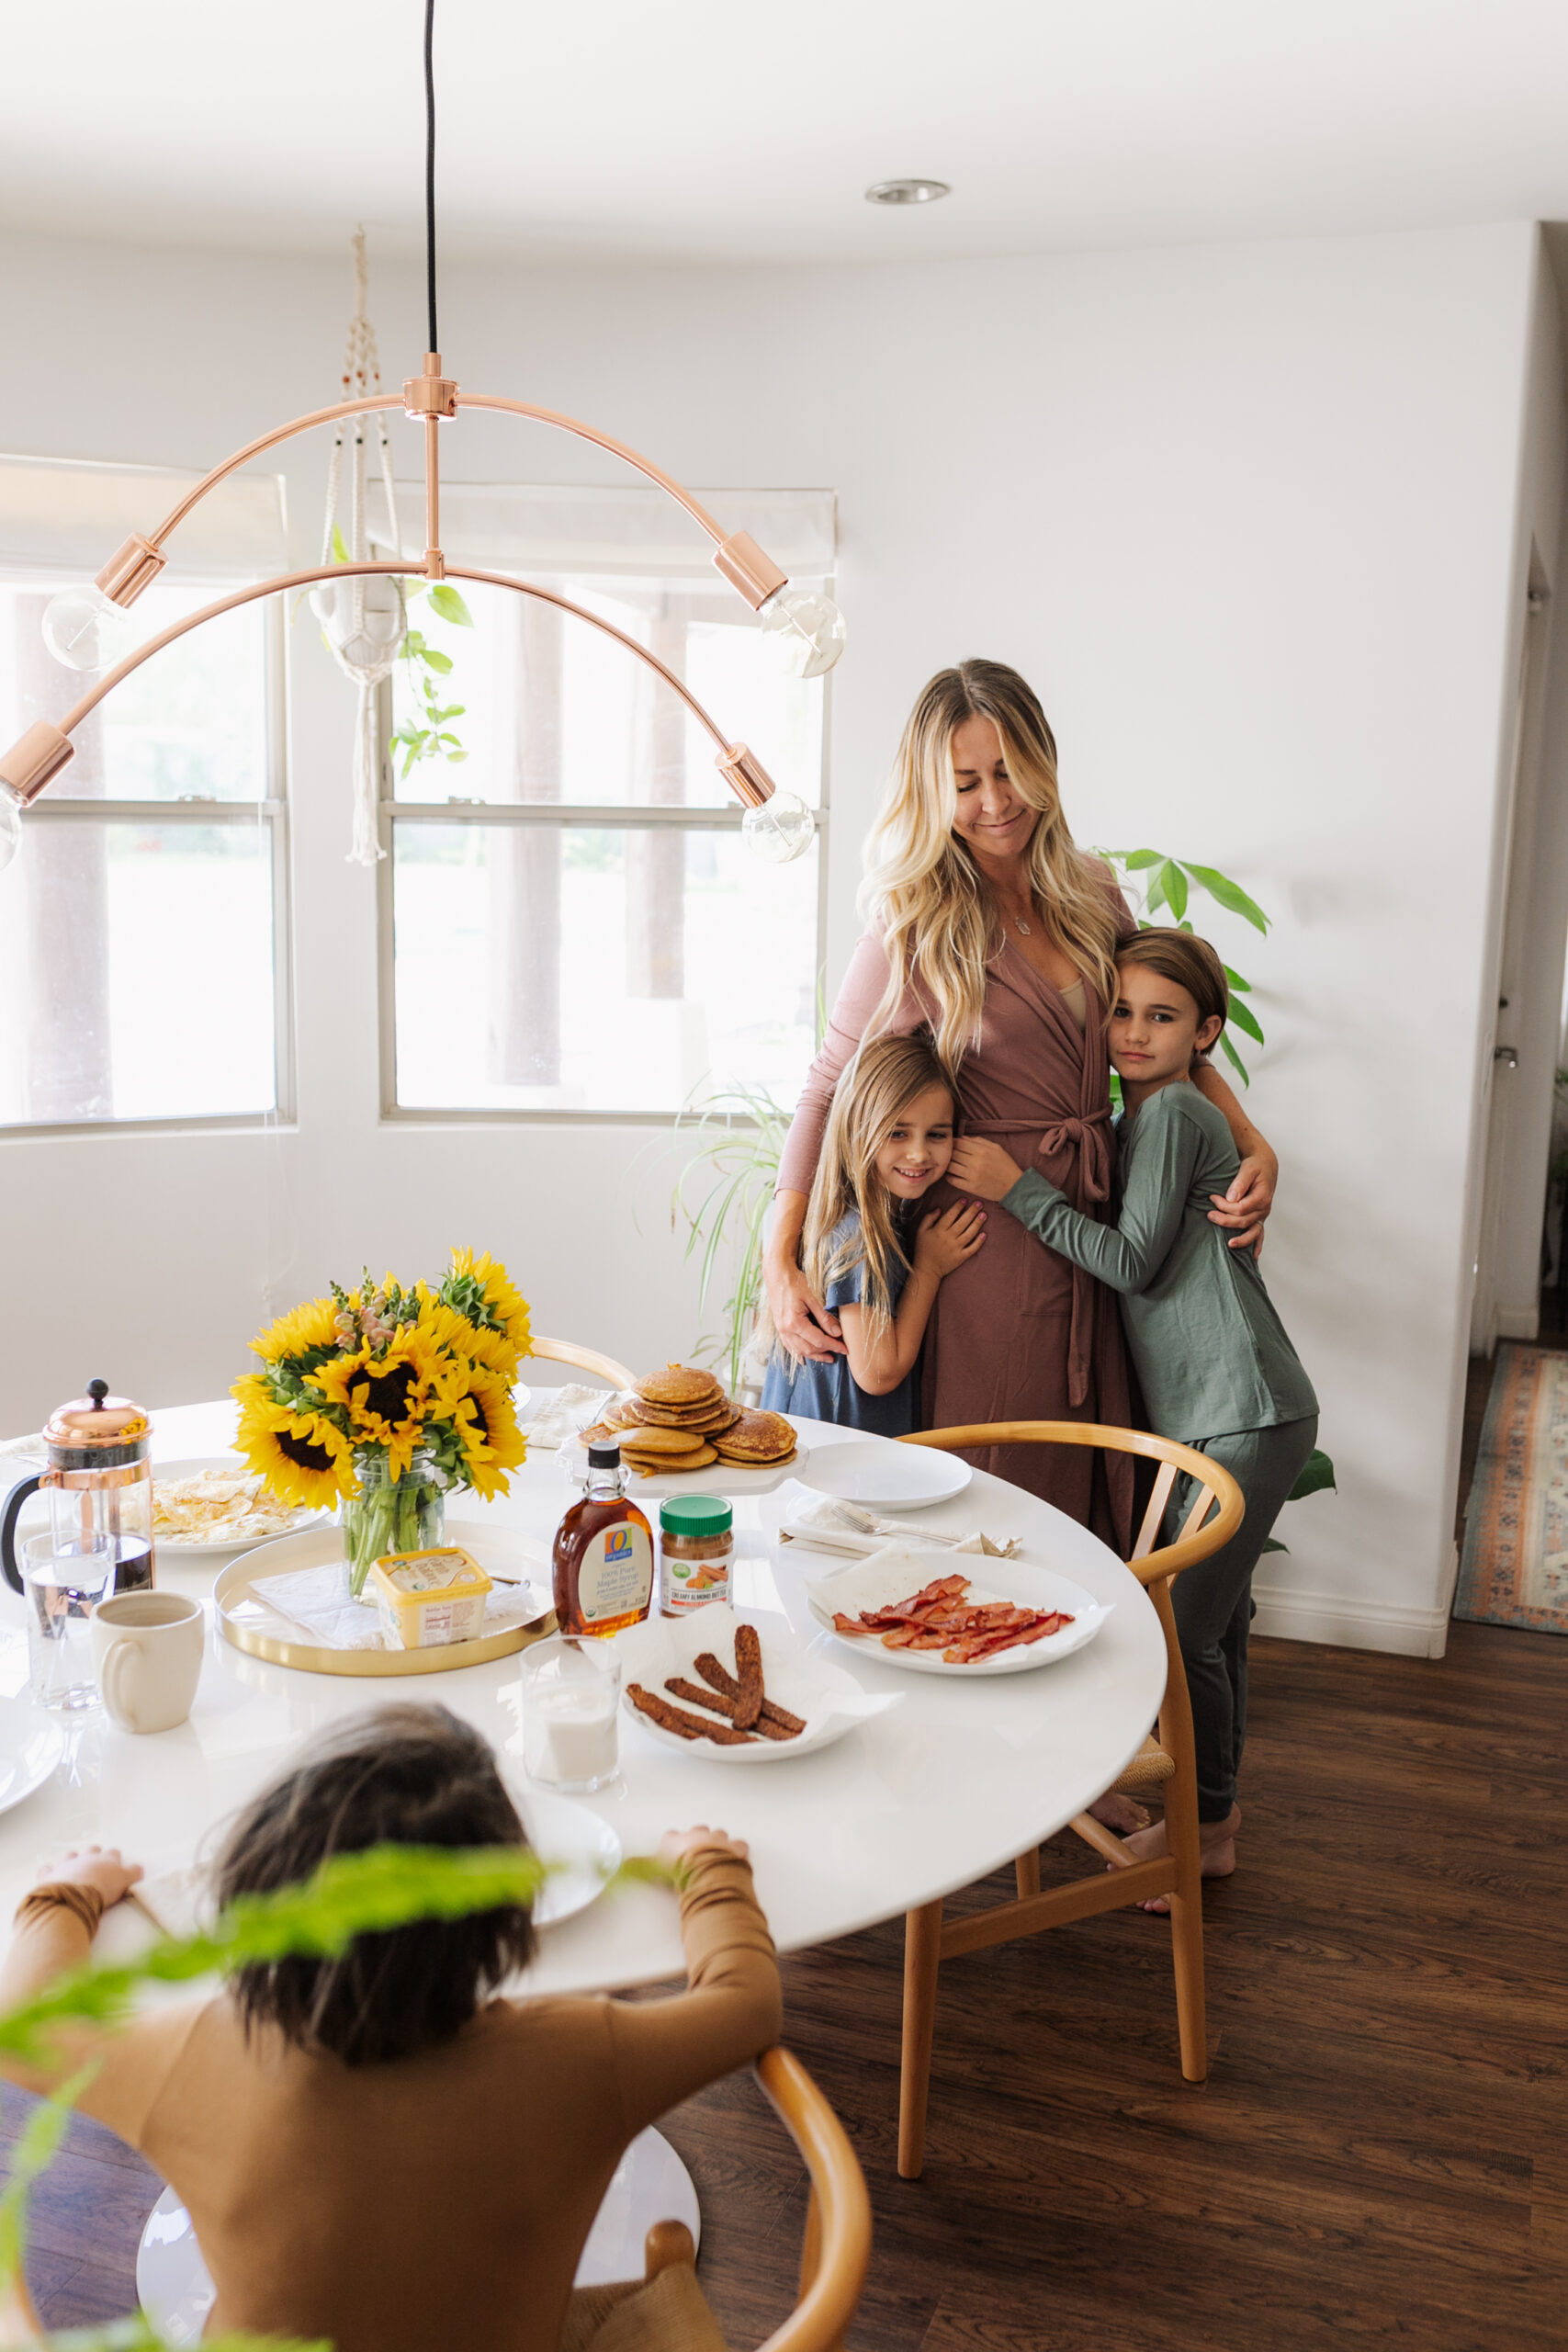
(1234, 1058)
(1173, 887)
(432, 660)
(1270, 1543)
(445, 600)
(340, 546)
(1155, 894)
(1135, 860)
(1317, 1475)
(1237, 982)
(1228, 894)
(1245, 1018)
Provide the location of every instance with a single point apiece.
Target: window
(157, 860)
(572, 924)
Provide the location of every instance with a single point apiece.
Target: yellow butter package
(426, 1597)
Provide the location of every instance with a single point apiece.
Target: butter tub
(424, 1599)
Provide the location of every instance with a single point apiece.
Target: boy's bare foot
(1216, 1851)
(1118, 1813)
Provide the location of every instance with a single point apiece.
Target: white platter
(31, 1744)
(884, 1475)
(561, 1831)
(236, 1465)
(832, 1702)
(895, 1574)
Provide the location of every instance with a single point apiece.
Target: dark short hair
(406, 1775)
(1190, 962)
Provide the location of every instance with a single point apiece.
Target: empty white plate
(881, 1473)
(587, 1850)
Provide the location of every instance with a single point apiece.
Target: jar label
(692, 1584)
(615, 1577)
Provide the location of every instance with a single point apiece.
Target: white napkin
(826, 1524)
(559, 1413)
(316, 1600)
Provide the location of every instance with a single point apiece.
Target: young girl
(374, 2149)
(889, 1138)
(1217, 1368)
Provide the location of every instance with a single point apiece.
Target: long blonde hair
(923, 890)
(873, 1093)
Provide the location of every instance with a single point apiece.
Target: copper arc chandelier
(82, 624)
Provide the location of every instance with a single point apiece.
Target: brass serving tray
(250, 1625)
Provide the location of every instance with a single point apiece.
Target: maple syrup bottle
(604, 1554)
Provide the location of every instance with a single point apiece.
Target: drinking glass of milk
(571, 1689)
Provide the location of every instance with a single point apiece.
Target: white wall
(1247, 517)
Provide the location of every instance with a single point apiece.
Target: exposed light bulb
(86, 629)
(780, 830)
(10, 826)
(807, 631)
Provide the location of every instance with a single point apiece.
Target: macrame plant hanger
(364, 619)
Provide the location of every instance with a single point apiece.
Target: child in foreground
(865, 1251)
(376, 2151)
(1216, 1369)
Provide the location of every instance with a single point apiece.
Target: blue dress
(826, 1392)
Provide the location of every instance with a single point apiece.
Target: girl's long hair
(923, 890)
(878, 1085)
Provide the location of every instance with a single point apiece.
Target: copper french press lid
(96, 1430)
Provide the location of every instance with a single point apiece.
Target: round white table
(925, 1798)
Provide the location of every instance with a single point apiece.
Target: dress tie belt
(1089, 1131)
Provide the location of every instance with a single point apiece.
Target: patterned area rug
(1515, 1568)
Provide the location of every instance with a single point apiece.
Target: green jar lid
(696, 1515)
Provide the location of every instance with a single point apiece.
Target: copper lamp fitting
(129, 569)
(746, 775)
(749, 568)
(34, 758)
(432, 394)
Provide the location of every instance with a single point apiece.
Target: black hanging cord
(433, 342)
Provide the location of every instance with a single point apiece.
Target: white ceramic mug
(147, 1650)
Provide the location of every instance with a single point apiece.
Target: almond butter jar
(696, 1549)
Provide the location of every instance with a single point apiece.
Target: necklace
(1020, 926)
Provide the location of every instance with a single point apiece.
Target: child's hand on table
(948, 1238)
(677, 1845)
(98, 1867)
(980, 1167)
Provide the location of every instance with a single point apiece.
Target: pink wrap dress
(1018, 1333)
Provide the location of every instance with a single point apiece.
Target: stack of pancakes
(680, 1419)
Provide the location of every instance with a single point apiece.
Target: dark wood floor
(1380, 2153)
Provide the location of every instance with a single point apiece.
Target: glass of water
(62, 1590)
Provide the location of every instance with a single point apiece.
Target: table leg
(650, 2183)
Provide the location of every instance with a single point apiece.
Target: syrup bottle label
(614, 1578)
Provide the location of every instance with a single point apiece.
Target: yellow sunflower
(310, 1326)
(500, 1294)
(493, 1349)
(487, 1430)
(448, 1333)
(389, 1393)
(303, 1457)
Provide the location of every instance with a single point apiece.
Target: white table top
(916, 1803)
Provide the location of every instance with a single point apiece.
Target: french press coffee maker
(99, 1483)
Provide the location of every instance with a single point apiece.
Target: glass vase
(406, 1514)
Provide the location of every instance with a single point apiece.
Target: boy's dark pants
(1212, 1603)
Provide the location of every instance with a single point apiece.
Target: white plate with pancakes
(679, 1433)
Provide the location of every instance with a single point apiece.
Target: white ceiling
(595, 130)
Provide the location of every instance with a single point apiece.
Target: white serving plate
(31, 1744)
(830, 1701)
(561, 1831)
(178, 1548)
(896, 1573)
(884, 1475)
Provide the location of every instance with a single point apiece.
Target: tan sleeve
(133, 2061)
(733, 2008)
(864, 983)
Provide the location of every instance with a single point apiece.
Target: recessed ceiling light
(907, 191)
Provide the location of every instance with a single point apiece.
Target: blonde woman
(986, 923)
(868, 1252)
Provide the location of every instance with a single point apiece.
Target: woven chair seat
(1149, 1768)
(669, 2313)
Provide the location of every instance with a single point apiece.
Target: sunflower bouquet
(382, 1399)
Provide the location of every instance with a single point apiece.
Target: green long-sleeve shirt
(1211, 1352)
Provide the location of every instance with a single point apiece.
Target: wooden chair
(1170, 1760)
(585, 1359)
(665, 2312)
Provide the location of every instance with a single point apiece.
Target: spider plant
(739, 1134)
